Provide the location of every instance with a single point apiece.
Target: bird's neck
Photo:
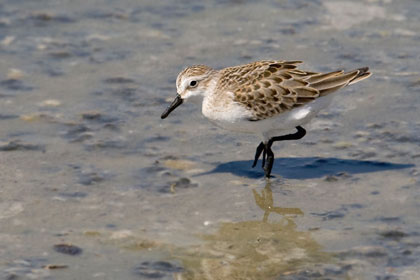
(209, 84)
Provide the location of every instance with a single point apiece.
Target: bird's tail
(327, 83)
(363, 74)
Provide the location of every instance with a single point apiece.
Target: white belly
(235, 118)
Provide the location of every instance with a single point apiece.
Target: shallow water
(95, 185)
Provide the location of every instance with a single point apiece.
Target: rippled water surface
(94, 185)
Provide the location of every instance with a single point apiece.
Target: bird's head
(192, 85)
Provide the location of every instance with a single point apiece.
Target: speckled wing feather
(269, 88)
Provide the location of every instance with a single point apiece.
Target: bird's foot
(267, 157)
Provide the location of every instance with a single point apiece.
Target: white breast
(224, 111)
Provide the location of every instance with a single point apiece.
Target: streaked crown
(193, 80)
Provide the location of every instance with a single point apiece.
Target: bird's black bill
(178, 101)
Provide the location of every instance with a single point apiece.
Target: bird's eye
(193, 83)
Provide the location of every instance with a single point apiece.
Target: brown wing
(268, 88)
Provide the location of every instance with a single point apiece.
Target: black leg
(268, 155)
(270, 159)
(258, 152)
(295, 136)
(260, 149)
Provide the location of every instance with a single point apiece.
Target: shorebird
(267, 98)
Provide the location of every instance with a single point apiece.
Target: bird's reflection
(253, 249)
(265, 203)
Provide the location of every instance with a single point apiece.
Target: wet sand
(94, 185)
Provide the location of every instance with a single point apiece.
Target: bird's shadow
(306, 167)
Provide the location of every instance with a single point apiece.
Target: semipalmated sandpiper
(267, 98)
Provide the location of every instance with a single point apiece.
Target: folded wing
(268, 88)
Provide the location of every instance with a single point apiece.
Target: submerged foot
(267, 158)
